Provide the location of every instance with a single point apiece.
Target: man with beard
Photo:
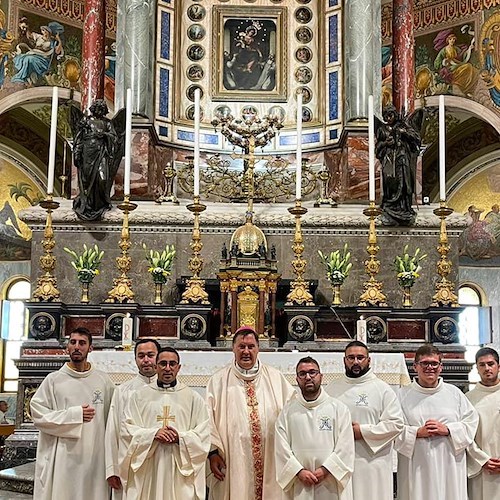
(168, 434)
(145, 351)
(70, 409)
(376, 421)
(483, 457)
(314, 442)
(440, 423)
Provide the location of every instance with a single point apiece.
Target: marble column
(362, 63)
(92, 79)
(135, 53)
(403, 56)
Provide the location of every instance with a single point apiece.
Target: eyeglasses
(311, 373)
(164, 364)
(429, 364)
(359, 357)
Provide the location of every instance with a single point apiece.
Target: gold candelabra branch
(445, 289)
(372, 294)
(46, 289)
(122, 289)
(195, 287)
(299, 293)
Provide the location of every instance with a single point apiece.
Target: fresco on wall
(17, 192)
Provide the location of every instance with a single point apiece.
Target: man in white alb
(244, 400)
(145, 351)
(483, 456)
(168, 437)
(440, 423)
(377, 420)
(70, 409)
(314, 441)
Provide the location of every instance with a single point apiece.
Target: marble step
(18, 479)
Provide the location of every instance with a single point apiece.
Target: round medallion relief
(303, 15)
(196, 12)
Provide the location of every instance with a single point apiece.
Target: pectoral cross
(166, 417)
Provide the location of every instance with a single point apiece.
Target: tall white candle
(442, 150)
(53, 142)
(298, 175)
(128, 144)
(127, 328)
(197, 97)
(371, 150)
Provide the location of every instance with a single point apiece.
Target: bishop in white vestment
(70, 409)
(483, 456)
(145, 351)
(245, 399)
(377, 420)
(440, 423)
(314, 442)
(168, 435)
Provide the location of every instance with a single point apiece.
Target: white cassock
(70, 454)
(114, 452)
(375, 406)
(165, 471)
(243, 409)
(486, 400)
(310, 435)
(434, 467)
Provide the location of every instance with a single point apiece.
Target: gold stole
(256, 437)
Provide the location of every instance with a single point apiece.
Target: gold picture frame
(251, 54)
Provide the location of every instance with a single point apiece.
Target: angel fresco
(397, 148)
(99, 145)
(32, 60)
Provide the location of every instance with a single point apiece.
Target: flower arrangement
(87, 264)
(160, 264)
(337, 265)
(408, 267)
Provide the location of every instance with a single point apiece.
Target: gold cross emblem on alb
(166, 417)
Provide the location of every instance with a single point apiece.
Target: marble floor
(10, 495)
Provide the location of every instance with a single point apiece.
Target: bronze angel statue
(98, 147)
(397, 147)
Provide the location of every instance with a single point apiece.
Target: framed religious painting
(251, 53)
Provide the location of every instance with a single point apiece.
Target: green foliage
(87, 264)
(160, 264)
(337, 265)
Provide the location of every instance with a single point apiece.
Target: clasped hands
(167, 435)
(433, 428)
(492, 466)
(310, 478)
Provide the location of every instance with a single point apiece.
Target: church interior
(253, 182)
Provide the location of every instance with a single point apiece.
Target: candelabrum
(122, 289)
(445, 294)
(195, 287)
(372, 294)
(324, 199)
(299, 293)
(46, 289)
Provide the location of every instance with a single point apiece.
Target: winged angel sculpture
(99, 146)
(397, 147)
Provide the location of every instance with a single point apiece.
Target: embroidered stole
(256, 437)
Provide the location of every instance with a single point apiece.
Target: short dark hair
(81, 330)
(243, 331)
(147, 341)
(356, 343)
(307, 359)
(3, 401)
(484, 351)
(168, 349)
(427, 350)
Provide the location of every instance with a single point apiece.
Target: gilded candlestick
(299, 292)
(445, 289)
(122, 289)
(195, 287)
(372, 294)
(46, 290)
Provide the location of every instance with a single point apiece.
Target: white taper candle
(52, 142)
(128, 144)
(371, 150)
(298, 175)
(442, 149)
(197, 118)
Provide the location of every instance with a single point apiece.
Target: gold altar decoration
(46, 289)
(445, 290)
(372, 294)
(122, 289)
(324, 177)
(299, 292)
(167, 193)
(195, 288)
